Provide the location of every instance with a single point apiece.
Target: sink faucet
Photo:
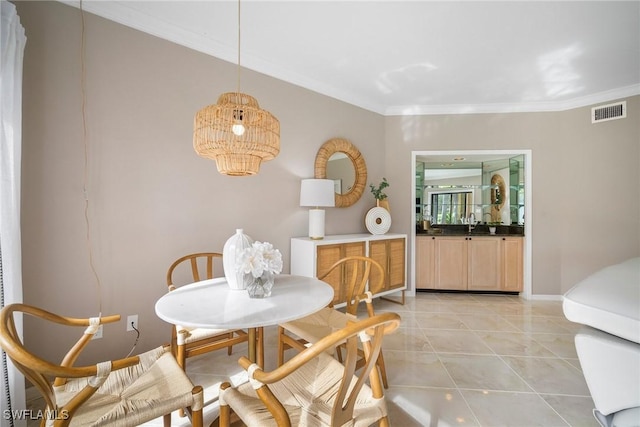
(472, 221)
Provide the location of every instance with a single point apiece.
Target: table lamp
(317, 193)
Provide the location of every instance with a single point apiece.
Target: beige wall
(152, 199)
(585, 181)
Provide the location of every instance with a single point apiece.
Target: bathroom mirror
(490, 187)
(339, 160)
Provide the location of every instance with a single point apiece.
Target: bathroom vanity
(460, 202)
(469, 262)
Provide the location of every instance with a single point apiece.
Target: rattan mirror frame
(336, 145)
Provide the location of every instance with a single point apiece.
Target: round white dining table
(213, 304)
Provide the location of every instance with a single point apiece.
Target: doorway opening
(469, 160)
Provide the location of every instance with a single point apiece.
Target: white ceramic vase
(232, 248)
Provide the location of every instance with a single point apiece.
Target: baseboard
(546, 297)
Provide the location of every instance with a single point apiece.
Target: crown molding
(120, 12)
(524, 107)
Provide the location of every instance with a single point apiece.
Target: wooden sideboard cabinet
(484, 263)
(313, 257)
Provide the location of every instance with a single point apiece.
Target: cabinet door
(390, 254)
(451, 263)
(351, 249)
(512, 268)
(378, 250)
(395, 264)
(327, 255)
(425, 262)
(484, 263)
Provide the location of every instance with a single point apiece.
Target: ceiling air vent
(609, 112)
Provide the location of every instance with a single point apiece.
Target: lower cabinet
(451, 270)
(425, 262)
(313, 257)
(327, 255)
(512, 264)
(486, 263)
(390, 254)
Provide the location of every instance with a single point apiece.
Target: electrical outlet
(98, 333)
(132, 322)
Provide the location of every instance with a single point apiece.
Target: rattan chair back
(79, 393)
(313, 385)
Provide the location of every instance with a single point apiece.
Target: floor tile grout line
(464, 399)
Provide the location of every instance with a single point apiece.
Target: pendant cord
(83, 90)
(85, 141)
(238, 50)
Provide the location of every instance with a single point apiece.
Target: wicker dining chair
(313, 388)
(312, 328)
(189, 342)
(123, 392)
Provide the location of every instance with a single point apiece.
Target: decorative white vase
(232, 248)
(377, 220)
(492, 230)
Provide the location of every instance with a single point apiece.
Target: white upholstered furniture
(608, 346)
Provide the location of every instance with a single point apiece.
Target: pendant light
(236, 132)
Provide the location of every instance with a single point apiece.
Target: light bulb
(238, 129)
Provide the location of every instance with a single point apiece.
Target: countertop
(480, 230)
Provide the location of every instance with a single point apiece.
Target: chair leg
(166, 420)
(230, 348)
(225, 411)
(339, 353)
(260, 347)
(197, 419)
(280, 346)
(181, 359)
(196, 414)
(383, 370)
(180, 356)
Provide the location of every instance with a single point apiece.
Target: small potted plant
(379, 195)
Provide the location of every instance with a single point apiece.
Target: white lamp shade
(317, 192)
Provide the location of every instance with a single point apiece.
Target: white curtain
(12, 42)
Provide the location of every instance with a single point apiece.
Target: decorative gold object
(340, 145)
(236, 132)
(498, 193)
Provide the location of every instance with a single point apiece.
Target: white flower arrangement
(259, 258)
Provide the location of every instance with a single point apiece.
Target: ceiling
(415, 57)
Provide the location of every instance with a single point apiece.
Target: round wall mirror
(339, 160)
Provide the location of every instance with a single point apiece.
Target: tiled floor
(459, 359)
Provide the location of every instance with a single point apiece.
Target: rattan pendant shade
(236, 155)
(235, 132)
